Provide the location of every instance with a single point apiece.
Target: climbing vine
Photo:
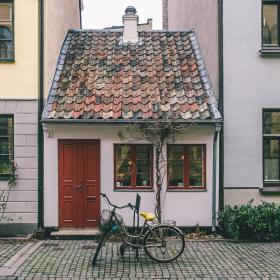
(5, 194)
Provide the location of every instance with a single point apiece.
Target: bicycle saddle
(148, 216)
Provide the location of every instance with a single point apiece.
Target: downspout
(80, 10)
(214, 188)
(40, 127)
(221, 100)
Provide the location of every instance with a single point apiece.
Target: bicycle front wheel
(164, 243)
(102, 240)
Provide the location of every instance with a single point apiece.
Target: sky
(98, 14)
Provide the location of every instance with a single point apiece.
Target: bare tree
(158, 132)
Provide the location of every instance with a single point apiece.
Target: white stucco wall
(187, 208)
(251, 83)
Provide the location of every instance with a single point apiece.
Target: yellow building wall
(19, 79)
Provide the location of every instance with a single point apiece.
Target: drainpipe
(80, 11)
(214, 192)
(221, 100)
(40, 128)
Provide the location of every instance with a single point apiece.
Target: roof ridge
(108, 30)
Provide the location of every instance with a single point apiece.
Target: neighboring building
(181, 15)
(106, 80)
(140, 26)
(249, 44)
(22, 73)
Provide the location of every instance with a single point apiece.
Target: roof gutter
(40, 127)
(214, 178)
(221, 100)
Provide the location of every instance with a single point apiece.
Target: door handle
(79, 188)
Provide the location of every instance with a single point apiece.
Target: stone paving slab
(71, 259)
(8, 249)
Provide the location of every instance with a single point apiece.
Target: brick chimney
(130, 21)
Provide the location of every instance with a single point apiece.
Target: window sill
(270, 190)
(270, 52)
(187, 190)
(10, 60)
(4, 178)
(133, 190)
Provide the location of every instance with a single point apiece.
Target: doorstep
(76, 233)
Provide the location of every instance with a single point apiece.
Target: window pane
(123, 180)
(143, 152)
(5, 12)
(6, 49)
(195, 152)
(176, 166)
(271, 159)
(143, 180)
(176, 153)
(6, 145)
(270, 24)
(271, 122)
(6, 32)
(123, 152)
(123, 166)
(196, 172)
(143, 166)
(6, 165)
(176, 180)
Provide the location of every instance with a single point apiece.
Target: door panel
(91, 184)
(79, 183)
(68, 200)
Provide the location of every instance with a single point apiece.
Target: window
(133, 166)
(271, 147)
(6, 146)
(6, 30)
(187, 167)
(270, 23)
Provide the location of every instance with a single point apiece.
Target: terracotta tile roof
(163, 76)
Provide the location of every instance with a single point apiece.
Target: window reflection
(6, 30)
(270, 24)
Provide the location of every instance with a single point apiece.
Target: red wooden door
(79, 183)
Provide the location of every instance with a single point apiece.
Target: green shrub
(258, 223)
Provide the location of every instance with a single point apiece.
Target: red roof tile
(99, 77)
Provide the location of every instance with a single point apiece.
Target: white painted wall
(187, 208)
(251, 84)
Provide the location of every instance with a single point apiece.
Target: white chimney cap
(130, 20)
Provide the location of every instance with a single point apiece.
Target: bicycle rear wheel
(164, 243)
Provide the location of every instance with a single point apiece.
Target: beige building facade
(22, 74)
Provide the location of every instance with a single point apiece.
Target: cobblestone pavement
(9, 249)
(71, 259)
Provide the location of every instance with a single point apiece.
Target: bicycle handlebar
(118, 207)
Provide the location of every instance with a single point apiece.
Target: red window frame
(133, 170)
(186, 171)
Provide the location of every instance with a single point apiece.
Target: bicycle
(161, 242)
